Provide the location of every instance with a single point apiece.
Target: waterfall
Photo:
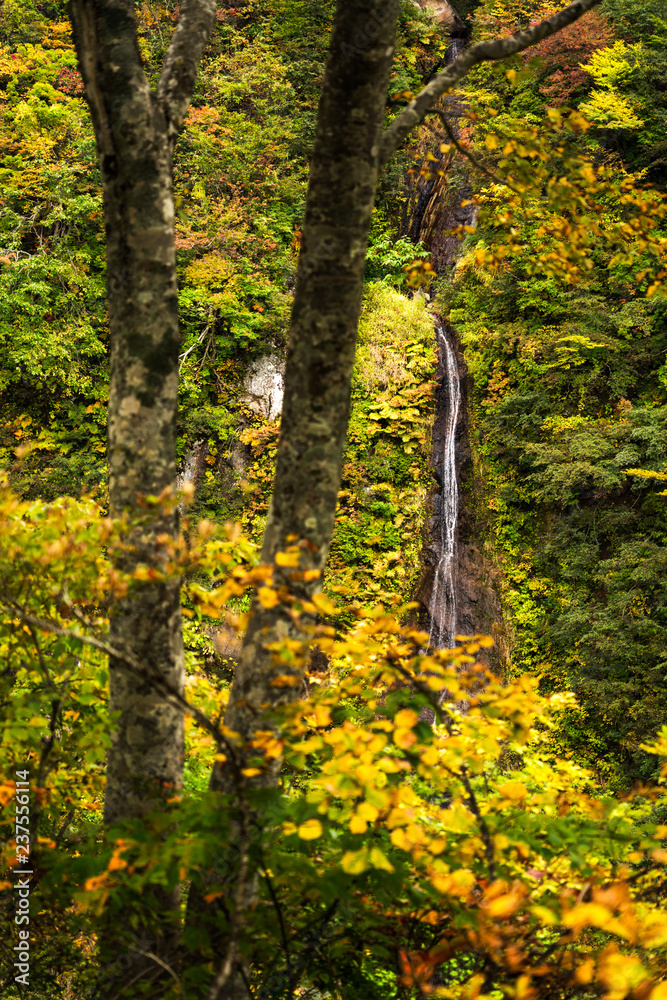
(442, 603)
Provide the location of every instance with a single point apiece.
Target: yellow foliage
(310, 830)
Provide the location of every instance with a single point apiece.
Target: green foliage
(387, 256)
(377, 540)
(390, 844)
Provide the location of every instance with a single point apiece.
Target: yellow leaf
(404, 738)
(285, 680)
(116, 863)
(310, 830)
(399, 839)
(369, 812)
(378, 860)
(358, 824)
(458, 883)
(97, 882)
(355, 862)
(267, 597)
(430, 757)
(513, 790)
(523, 988)
(287, 559)
(503, 906)
(544, 915)
(323, 604)
(585, 972)
(250, 772)
(406, 718)
(588, 915)
(322, 715)
(653, 932)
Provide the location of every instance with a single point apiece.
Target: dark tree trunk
(135, 130)
(323, 334)
(341, 194)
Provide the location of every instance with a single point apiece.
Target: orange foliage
(563, 52)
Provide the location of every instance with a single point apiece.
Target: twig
(42, 662)
(491, 51)
(229, 962)
(42, 772)
(486, 833)
(293, 981)
(68, 819)
(182, 357)
(279, 911)
(477, 164)
(132, 664)
(158, 961)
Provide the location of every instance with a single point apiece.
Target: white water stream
(442, 605)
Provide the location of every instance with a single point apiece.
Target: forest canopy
(233, 761)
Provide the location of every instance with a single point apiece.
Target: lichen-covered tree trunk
(320, 360)
(323, 334)
(135, 129)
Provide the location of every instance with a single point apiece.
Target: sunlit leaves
(566, 198)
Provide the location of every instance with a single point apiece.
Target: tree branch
(169, 692)
(179, 70)
(499, 48)
(477, 164)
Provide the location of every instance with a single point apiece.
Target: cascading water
(442, 603)
(454, 591)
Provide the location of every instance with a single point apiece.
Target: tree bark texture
(323, 334)
(318, 376)
(135, 130)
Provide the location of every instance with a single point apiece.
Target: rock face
(265, 386)
(476, 579)
(192, 466)
(446, 15)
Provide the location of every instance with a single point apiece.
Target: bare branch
(500, 48)
(279, 913)
(40, 655)
(477, 164)
(179, 70)
(158, 961)
(170, 693)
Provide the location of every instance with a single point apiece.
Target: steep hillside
(565, 349)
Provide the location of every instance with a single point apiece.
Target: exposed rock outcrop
(446, 15)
